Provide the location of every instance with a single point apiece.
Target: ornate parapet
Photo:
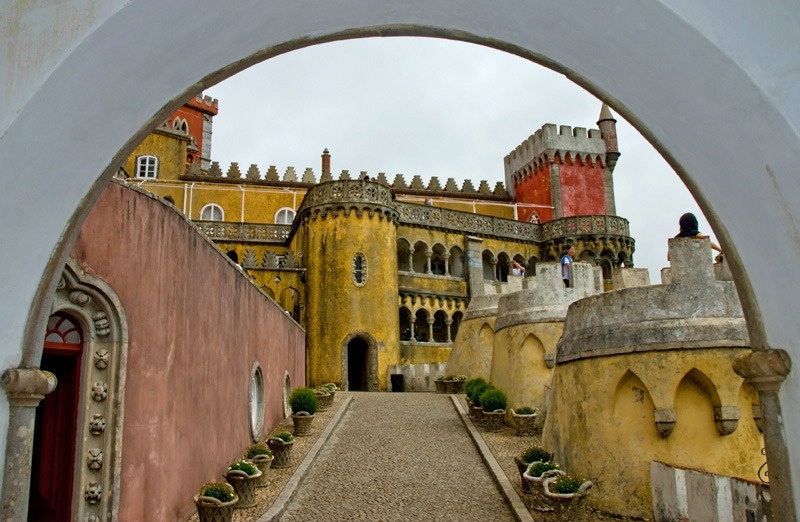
(348, 195)
(245, 232)
(467, 222)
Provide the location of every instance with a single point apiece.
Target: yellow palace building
(379, 272)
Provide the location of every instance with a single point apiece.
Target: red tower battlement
(564, 172)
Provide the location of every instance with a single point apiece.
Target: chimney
(608, 131)
(326, 161)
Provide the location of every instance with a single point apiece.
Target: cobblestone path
(398, 457)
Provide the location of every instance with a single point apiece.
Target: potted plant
(536, 473)
(439, 383)
(242, 475)
(454, 383)
(567, 495)
(323, 398)
(476, 387)
(493, 401)
(532, 454)
(216, 502)
(304, 404)
(327, 402)
(524, 420)
(261, 456)
(281, 446)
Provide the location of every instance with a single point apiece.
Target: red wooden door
(56, 425)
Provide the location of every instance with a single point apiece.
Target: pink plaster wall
(196, 325)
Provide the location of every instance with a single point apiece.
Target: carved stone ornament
(99, 391)
(79, 298)
(27, 386)
(665, 421)
(93, 493)
(92, 518)
(98, 424)
(95, 459)
(550, 360)
(101, 324)
(101, 357)
(764, 369)
(726, 418)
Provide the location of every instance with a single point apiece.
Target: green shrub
(257, 449)
(493, 399)
(566, 484)
(285, 436)
(535, 453)
(525, 410)
(221, 491)
(476, 390)
(536, 470)
(304, 399)
(470, 383)
(244, 465)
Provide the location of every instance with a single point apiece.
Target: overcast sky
(430, 107)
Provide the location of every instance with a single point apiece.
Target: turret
(608, 131)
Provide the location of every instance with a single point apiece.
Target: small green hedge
(221, 491)
(304, 399)
(566, 484)
(493, 399)
(535, 453)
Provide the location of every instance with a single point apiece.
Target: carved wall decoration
(79, 298)
(101, 357)
(95, 459)
(102, 390)
(98, 424)
(99, 391)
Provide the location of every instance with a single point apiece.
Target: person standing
(689, 228)
(566, 260)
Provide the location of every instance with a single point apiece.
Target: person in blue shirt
(566, 260)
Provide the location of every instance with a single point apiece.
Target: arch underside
(722, 85)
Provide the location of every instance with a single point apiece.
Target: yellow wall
(518, 363)
(169, 148)
(472, 352)
(601, 421)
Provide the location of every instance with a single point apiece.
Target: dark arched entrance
(357, 355)
(56, 424)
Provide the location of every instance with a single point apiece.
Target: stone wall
(196, 327)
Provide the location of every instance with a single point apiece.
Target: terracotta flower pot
(209, 509)
(302, 423)
(494, 420)
(568, 506)
(281, 452)
(525, 425)
(263, 463)
(245, 486)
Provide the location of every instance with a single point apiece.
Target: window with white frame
(147, 167)
(284, 216)
(212, 212)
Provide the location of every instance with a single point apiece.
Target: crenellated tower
(561, 172)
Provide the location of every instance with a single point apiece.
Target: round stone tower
(349, 241)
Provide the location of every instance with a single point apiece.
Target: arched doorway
(56, 423)
(357, 354)
(360, 362)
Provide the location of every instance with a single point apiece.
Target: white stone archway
(715, 86)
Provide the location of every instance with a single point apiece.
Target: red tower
(195, 118)
(563, 172)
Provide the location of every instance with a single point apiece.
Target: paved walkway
(398, 457)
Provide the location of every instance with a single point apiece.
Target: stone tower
(348, 240)
(564, 172)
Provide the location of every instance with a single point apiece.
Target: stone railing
(586, 226)
(467, 222)
(412, 214)
(245, 232)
